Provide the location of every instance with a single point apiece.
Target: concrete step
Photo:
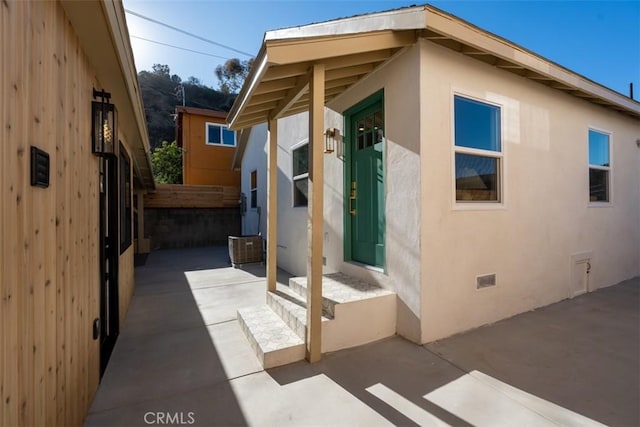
(361, 312)
(273, 341)
(338, 288)
(354, 313)
(292, 308)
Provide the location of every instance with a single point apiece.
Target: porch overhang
(352, 48)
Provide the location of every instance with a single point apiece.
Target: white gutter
(410, 18)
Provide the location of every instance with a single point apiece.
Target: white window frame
(297, 177)
(609, 169)
(500, 204)
(221, 127)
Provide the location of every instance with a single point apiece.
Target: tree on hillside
(161, 69)
(232, 74)
(166, 162)
(160, 98)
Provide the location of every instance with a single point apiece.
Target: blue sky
(600, 40)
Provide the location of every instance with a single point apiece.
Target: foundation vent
(486, 281)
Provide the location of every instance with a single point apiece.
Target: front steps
(354, 313)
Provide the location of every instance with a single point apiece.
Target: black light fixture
(103, 124)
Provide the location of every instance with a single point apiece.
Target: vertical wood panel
(4, 136)
(49, 281)
(69, 169)
(38, 214)
(12, 15)
(61, 244)
(24, 225)
(49, 95)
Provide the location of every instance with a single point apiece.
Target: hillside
(161, 93)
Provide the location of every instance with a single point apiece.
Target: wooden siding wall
(192, 196)
(49, 271)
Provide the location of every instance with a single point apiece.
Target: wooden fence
(192, 196)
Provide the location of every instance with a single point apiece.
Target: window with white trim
(300, 179)
(478, 151)
(217, 134)
(599, 166)
(254, 189)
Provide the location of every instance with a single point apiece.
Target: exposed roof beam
(259, 117)
(358, 59)
(244, 124)
(260, 107)
(430, 35)
(473, 51)
(276, 85)
(341, 82)
(292, 96)
(268, 97)
(356, 70)
(297, 110)
(508, 65)
(336, 90)
(535, 76)
(277, 72)
(284, 52)
(563, 88)
(585, 95)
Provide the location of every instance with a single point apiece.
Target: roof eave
(401, 20)
(410, 18)
(260, 66)
(470, 35)
(102, 31)
(294, 48)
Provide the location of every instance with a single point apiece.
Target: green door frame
(377, 97)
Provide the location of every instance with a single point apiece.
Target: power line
(178, 47)
(186, 32)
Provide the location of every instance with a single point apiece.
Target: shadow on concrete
(165, 361)
(182, 351)
(582, 354)
(407, 369)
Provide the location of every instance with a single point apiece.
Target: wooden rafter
(292, 96)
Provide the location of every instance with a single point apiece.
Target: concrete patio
(182, 357)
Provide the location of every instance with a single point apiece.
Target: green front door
(365, 186)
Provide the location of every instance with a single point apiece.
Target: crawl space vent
(485, 281)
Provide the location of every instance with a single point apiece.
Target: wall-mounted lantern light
(331, 135)
(103, 124)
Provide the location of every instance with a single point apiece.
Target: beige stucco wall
(402, 272)
(255, 159)
(399, 78)
(435, 248)
(292, 221)
(546, 217)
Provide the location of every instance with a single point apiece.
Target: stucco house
(412, 153)
(208, 147)
(74, 150)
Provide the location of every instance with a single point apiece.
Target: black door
(109, 253)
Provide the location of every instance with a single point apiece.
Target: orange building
(208, 147)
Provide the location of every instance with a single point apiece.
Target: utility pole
(180, 91)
